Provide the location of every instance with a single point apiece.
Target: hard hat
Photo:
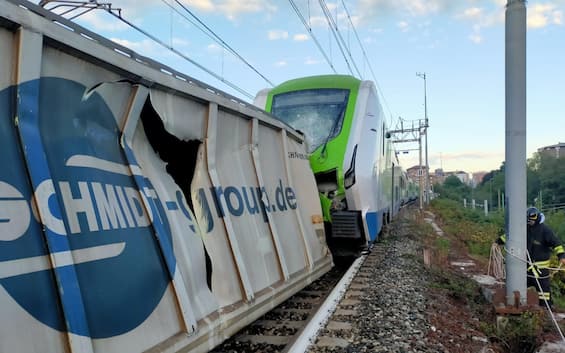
(533, 215)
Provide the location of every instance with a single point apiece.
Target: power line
(155, 39)
(309, 29)
(366, 59)
(210, 33)
(116, 12)
(338, 38)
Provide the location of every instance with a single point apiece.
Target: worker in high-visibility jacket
(541, 242)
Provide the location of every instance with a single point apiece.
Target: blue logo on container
(119, 264)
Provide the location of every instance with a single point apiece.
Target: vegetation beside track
(469, 233)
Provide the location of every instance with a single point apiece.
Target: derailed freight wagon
(140, 210)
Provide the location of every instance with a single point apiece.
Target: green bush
(475, 229)
(556, 221)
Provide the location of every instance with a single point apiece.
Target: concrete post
(515, 180)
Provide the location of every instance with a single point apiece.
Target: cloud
(481, 17)
(214, 49)
(312, 61)
(543, 15)
(100, 21)
(403, 25)
(281, 63)
(318, 21)
(467, 161)
(232, 8)
(370, 9)
(277, 34)
(145, 47)
(472, 14)
(180, 42)
(476, 38)
(300, 37)
(203, 5)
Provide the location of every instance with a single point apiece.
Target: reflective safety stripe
(559, 249)
(544, 295)
(534, 269)
(542, 264)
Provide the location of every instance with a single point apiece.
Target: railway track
(280, 328)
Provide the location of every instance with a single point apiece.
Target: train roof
(320, 81)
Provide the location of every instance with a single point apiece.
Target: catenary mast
(515, 181)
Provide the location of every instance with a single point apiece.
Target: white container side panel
(162, 324)
(282, 199)
(187, 243)
(241, 196)
(103, 206)
(182, 116)
(17, 321)
(225, 278)
(307, 199)
(21, 225)
(98, 228)
(100, 250)
(56, 63)
(7, 58)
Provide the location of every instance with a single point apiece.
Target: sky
(458, 44)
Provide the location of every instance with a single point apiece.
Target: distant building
(554, 150)
(477, 178)
(438, 177)
(415, 173)
(463, 176)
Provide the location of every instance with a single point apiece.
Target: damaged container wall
(140, 210)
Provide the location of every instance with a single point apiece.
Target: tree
(546, 177)
(454, 189)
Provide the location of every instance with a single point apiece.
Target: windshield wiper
(334, 126)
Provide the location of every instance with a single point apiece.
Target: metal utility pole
(412, 134)
(515, 179)
(427, 184)
(421, 174)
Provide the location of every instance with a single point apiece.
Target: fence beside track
(140, 210)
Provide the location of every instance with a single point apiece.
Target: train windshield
(318, 113)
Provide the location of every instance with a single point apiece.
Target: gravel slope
(391, 306)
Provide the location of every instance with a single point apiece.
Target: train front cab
(347, 159)
(354, 228)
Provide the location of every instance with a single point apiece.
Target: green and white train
(359, 179)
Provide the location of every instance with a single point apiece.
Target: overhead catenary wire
(211, 34)
(185, 57)
(338, 38)
(366, 59)
(309, 29)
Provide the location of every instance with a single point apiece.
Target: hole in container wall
(179, 156)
